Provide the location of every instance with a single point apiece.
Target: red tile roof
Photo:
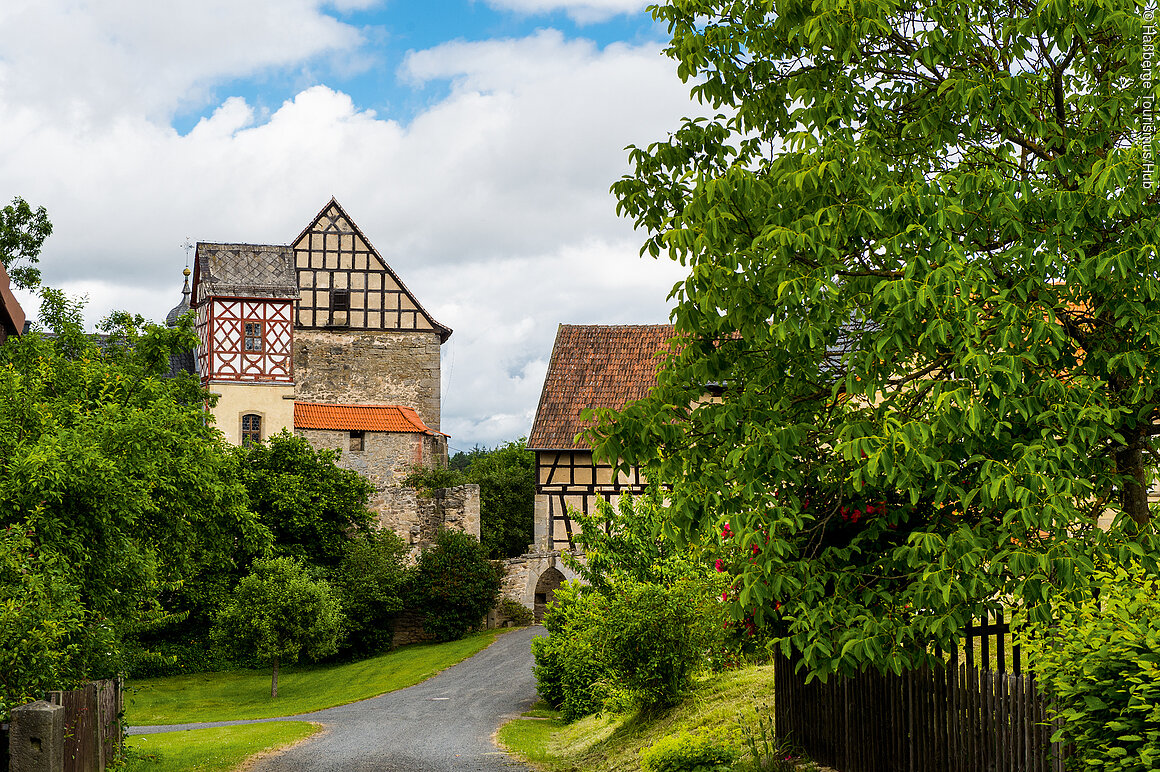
(367, 418)
(595, 366)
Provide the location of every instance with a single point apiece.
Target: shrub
(1101, 666)
(687, 752)
(517, 613)
(571, 672)
(455, 584)
(370, 582)
(653, 641)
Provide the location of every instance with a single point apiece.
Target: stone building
(322, 338)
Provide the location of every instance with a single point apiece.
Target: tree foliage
(278, 614)
(109, 464)
(22, 233)
(922, 268)
(371, 582)
(455, 585)
(310, 504)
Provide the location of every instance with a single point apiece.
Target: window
(251, 429)
(340, 300)
(253, 336)
(356, 439)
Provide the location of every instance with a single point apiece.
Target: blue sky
(473, 142)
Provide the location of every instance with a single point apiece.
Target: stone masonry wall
(385, 368)
(386, 457)
(418, 518)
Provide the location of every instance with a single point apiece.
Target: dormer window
(253, 336)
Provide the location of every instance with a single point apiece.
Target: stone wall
(418, 518)
(386, 457)
(534, 574)
(384, 368)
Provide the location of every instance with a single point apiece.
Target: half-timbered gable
(592, 366)
(346, 284)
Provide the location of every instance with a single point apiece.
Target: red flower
(720, 565)
(726, 532)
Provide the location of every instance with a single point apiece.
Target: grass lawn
(723, 706)
(221, 749)
(239, 694)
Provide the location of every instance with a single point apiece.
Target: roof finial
(188, 245)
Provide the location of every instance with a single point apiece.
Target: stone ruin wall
(382, 368)
(417, 518)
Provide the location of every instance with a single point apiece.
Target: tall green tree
(109, 465)
(22, 234)
(506, 476)
(312, 506)
(923, 269)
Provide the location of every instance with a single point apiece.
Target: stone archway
(546, 590)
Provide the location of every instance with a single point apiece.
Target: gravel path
(440, 725)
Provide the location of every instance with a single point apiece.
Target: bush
(455, 584)
(1101, 666)
(571, 671)
(687, 752)
(653, 640)
(516, 613)
(370, 582)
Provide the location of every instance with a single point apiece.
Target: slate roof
(244, 270)
(595, 366)
(367, 418)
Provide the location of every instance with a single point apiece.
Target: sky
(473, 141)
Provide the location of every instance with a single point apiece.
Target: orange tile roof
(595, 366)
(367, 418)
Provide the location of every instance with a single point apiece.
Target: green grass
(240, 694)
(220, 749)
(722, 705)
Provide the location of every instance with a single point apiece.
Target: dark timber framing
(344, 283)
(571, 480)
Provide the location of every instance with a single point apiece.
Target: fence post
(36, 738)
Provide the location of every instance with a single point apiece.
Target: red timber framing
(237, 349)
(344, 283)
(571, 480)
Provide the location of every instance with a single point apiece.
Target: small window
(356, 440)
(340, 300)
(251, 429)
(253, 336)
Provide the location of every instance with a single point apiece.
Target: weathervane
(188, 245)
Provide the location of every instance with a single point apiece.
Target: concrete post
(36, 738)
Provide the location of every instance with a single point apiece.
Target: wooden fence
(92, 725)
(963, 717)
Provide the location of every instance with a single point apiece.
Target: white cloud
(98, 60)
(581, 11)
(492, 204)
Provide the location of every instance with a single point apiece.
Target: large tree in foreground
(923, 269)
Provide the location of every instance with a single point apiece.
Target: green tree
(110, 464)
(22, 233)
(923, 267)
(279, 614)
(506, 477)
(40, 619)
(371, 581)
(455, 585)
(310, 504)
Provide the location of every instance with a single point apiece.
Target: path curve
(443, 724)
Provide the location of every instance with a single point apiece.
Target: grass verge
(240, 694)
(220, 749)
(723, 706)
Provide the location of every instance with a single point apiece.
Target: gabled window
(253, 336)
(251, 429)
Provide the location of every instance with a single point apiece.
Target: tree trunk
(1130, 464)
(274, 683)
